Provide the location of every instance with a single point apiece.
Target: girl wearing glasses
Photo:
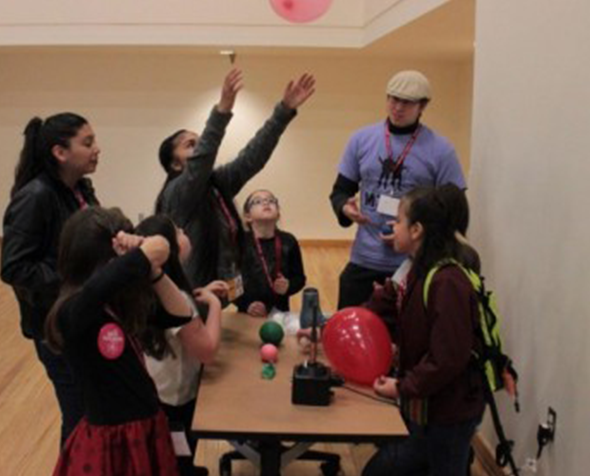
(272, 267)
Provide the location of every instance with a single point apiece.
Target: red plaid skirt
(138, 448)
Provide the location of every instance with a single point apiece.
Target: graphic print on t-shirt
(391, 174)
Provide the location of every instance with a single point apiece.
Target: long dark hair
(40, 137)
(438, 217)
(86, 246)
(153, 338)
(166, 157)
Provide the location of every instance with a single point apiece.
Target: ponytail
(36, 156)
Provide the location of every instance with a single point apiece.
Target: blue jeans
(67, 391)
(433, 450)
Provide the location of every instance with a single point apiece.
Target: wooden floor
(29, 416)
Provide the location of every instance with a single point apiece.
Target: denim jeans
(433, 450)
(67, 391)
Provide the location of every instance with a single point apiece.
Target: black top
(117, 390)
(32, 225)
(256, 285)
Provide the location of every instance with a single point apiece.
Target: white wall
(134, 98)
(529, 190)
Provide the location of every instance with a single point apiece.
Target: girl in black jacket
(49, 187)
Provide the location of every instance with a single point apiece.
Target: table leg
(270, 458)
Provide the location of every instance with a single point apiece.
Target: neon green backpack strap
(489, 325)
(432, 271)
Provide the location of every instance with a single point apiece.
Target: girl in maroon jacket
(438, 384)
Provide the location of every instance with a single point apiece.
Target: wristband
(159, 277)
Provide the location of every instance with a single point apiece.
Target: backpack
(494, 364)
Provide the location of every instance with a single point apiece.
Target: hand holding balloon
(386, 387)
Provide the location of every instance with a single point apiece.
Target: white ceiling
(445, 33)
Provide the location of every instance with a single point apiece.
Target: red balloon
(300, 11)
(358, 345)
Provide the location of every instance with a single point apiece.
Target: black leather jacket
(32, 225)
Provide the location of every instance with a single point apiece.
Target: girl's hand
(157, 250)
(352, 211)
(232, 83)
(386, 387)
(257, 309)
(125, 242)
(205, 296)
(297, 93)
(281, 285)
(218, 287)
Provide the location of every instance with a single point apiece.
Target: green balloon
(271, 333)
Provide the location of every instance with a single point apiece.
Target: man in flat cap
(381, 163)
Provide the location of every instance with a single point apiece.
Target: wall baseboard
(321, 242)
(484, 454)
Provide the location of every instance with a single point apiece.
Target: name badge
(236, 287)
(388, 205)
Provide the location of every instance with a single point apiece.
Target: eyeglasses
(264, 201)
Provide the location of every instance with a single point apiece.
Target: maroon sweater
(435, 344)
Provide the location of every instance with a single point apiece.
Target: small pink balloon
(269, 353)
(300, 11)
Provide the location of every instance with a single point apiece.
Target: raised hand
(125, 242)
(296, 93)
(232, 83)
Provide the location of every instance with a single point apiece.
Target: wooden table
(235, 403)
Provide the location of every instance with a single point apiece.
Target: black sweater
(117, 390)
(256, 285)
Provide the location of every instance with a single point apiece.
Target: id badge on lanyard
(235, 284)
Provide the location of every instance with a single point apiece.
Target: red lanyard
(80, 198)
(400, 160)
(231, 222)
(278, 255)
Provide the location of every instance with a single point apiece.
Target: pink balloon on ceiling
(300, 11)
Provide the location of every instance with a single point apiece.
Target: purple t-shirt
(432, 160)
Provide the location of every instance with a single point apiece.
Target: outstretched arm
(190, 187)
(252, 158)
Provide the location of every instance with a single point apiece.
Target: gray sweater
(185, 196)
